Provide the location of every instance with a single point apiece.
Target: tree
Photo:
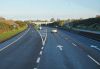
(58, 19)
(20, 23)
(52, 20)
(61, 23)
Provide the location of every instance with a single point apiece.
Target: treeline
(87, 24)
(10, 28)
(7, 25)
(59, 23)
(91, 24)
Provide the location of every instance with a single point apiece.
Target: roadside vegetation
(36, 26)
(92, 24)
(59, 23)
(10, 28)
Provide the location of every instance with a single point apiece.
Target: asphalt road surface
(21, 52)
(45, 50)
(65, 50)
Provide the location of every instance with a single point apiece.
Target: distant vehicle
(54, 30)
(40, 28)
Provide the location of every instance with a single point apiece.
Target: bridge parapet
(39, 23)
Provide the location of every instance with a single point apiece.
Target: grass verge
(7, 35)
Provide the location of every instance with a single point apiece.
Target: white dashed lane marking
(74, 44)
(93, 60)
(35, 68)
(40, 52)
(42, 48)
(38, 60)
(93, 46)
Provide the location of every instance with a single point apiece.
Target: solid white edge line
(93, 60)
(38, 60)
(14, 41)
(43, 43)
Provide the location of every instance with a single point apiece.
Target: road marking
(60, 47)
(42, 48)
(43, 41)
(38, 60)
(45, 38)
(40, 52)
(35, 68)
(41, 37)
(15, 40)
(74, 44)
(94, 60)
(95, 47)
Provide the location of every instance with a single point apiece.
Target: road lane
(70, 57)
(83, 43)
(4, 47)
(7, 42)
(50, 54)
(77, 56)
(23, 53)
(59, 52)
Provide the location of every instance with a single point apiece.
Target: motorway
(45, 50)
(65, 50)
(21, 52)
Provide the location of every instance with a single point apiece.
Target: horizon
(46, 9)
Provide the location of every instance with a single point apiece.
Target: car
(54, 30)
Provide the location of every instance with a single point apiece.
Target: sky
(46, 9)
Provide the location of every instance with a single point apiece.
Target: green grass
(36, 27)
(6, 35)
